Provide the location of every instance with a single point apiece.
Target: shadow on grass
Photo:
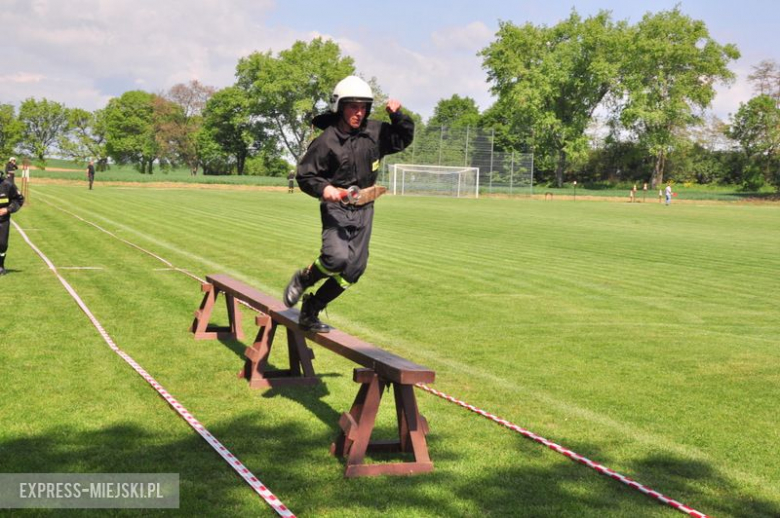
(681, 474)
(208, 486)
(293, 462)
(237, 347)
(311, 399)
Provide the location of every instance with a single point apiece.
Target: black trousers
(5, 230)
(346, 233)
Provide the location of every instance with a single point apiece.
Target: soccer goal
(434, 180)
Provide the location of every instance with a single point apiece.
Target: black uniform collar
(325, 120)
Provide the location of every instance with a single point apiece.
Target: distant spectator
(91, 173)
(668, 192)
(291, 183)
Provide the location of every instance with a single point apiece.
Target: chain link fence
(500, 172)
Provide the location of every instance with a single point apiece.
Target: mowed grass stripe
(219, 235)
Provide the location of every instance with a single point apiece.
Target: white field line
(231, 459)
(162, 244)
(470, 369)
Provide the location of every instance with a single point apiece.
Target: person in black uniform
(91, 173)
(10, 169)
(10, 201)
(290, 183)
(346, 154)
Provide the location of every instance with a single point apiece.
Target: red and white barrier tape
(568, 453)
(231, 459)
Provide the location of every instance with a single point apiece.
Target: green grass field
(641, 336)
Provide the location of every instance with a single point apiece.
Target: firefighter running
(346, 154)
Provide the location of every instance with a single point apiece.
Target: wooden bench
(379, 370)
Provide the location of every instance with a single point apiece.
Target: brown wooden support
(256, 372)
(354, 440)
(205, 331)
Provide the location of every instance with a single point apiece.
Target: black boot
(301, 280)
(309, 321)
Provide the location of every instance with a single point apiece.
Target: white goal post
(434, 180)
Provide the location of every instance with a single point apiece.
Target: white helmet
(351, 88)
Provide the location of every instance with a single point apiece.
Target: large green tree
(756, 126)
(130, 135)
(43, 122)
(550, 80)
(85, 137)
(230, 131)
(670, 68)
(288, 90)
(10, 131)
(455, 112)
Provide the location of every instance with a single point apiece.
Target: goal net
(434, 180)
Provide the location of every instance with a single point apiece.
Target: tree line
(595, 99)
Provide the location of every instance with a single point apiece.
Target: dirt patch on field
(163, 185)
(59, 169)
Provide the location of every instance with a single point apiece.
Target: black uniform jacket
(10, 199)
(346, 159)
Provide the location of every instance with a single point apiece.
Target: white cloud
(24, 77)
(94, 44)
(469, 38)
(419, 78)
(82, 52)
(729, 97)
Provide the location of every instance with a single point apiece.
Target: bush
(263, 165)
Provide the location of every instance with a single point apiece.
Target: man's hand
(331, 193)
(393, 105)
(4, 211)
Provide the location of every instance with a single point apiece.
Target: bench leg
(412, 427)
(300, 354)
(234, 317)
(357, 425)
(355, 438)
(255, 368)
(203, 313)
(200, 325)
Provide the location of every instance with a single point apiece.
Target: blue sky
(83, 52)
